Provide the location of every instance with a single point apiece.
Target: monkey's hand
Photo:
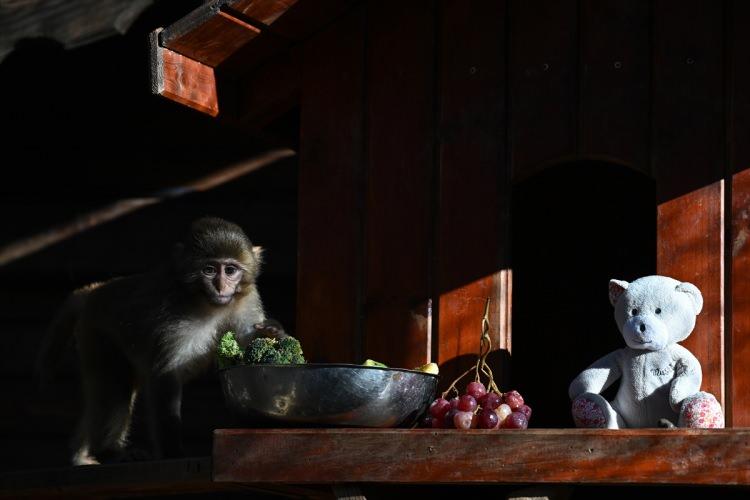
(269, 328)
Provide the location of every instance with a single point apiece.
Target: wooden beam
(420, 456)
(183, 80)
(614, 72)
(738, 331)
(472, 247)
(329, 262)
(542, 55)
(690, 247)
(399, 173)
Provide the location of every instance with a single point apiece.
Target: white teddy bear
(660, 379)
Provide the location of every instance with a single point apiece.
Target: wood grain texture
(472, 243)
(330, 193)
(645, 456)
(543, 57)
(185, 81)
(615, 82)
(738, 44)
(210, 41)
(739, 342)
(690, 247)
(261, 11)
(688, 96)
(399, 178)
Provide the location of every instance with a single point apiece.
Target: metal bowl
(327, 394)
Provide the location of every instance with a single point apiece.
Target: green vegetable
(372, 362)
(271, 351)
(229, 352)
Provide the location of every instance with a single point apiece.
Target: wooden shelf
(421, 456)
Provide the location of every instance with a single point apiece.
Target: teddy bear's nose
(642, 328)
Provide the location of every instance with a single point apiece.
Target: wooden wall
(422, 118)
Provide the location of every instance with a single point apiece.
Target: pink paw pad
(588, 414)
(701, 412)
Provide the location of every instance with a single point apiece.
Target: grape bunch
(478, 408)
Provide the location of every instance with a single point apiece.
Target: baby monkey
(150, 333)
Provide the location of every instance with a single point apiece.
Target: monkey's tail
(58, 336)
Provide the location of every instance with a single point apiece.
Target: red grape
(526, 410)
(488, 419)
(513, 399)
(503, 411)
(467, 403)
(439, 407)
(462, 419)
(454, 402)
(438, 423)
(515, 420)
(476, 389)
(491, 400)
(448, 419)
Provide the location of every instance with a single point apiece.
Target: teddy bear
(659, 379)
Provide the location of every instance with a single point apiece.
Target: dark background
(81, 130)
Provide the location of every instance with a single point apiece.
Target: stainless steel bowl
(327, 394)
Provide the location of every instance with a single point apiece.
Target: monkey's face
(221, 279)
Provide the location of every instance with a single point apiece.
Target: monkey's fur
(149, 333)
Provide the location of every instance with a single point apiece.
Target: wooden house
(527, 151)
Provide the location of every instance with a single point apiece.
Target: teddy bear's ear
(695, 295)
(616, 288)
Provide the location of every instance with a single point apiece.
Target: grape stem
(481, 366)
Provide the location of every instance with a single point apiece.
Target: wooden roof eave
(218, 58)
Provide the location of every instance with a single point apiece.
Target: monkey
(150, 333)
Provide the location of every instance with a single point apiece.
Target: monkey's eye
(209, 270)
(230, 270)
(634, 312)
(658, 310)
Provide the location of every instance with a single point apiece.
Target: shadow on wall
(575, 226)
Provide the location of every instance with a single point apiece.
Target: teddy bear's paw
(701, 411)
(588, 414)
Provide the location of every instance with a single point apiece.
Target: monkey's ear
(258, 253)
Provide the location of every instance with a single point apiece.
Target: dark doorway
(575, 226)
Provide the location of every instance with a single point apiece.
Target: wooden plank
(330, 193)
(738, 43)
(399, 175)
(209, 34)
(615, 82)
(182, 79)
(690, 247)
(543, 55)
(261, 11)
(473, 219)
(738, 341)
(688, 106)
(419, 456)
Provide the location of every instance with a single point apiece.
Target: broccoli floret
(291, 351)
(229, 352)
(261, 350)
(270, 351)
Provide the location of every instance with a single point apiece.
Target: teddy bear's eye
(634, 312)
(658, 310)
